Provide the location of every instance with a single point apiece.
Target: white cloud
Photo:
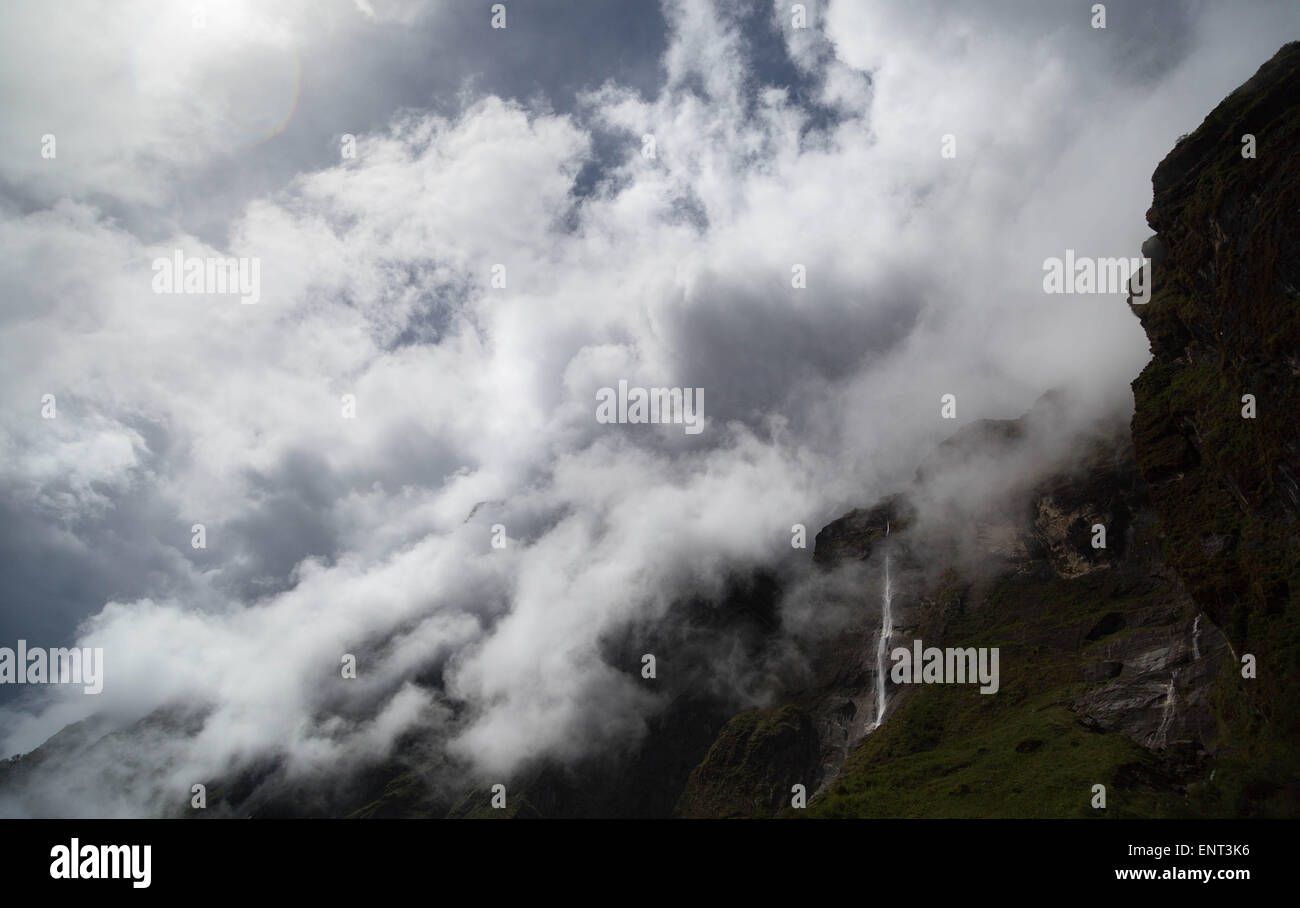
(924, 277)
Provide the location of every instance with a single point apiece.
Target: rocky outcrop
(1159, 680)
(1215, 426)
(854, 536)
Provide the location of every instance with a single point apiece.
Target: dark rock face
(1160, 681)
(1224, 322)
(1101, 671)
(854, 536)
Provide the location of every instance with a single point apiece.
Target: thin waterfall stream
(882, 644)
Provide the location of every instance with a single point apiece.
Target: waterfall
(1196, 636)
(1161, 735)
(882, 645)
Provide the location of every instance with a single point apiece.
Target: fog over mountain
(475, 405)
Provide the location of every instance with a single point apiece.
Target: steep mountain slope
(1114, 667)
(1224, 322)
(1107, 667)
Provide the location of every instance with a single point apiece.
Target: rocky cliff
(1215, 429)
(1128, 666)
(1108, 666)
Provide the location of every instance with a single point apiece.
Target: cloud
(328, 535)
